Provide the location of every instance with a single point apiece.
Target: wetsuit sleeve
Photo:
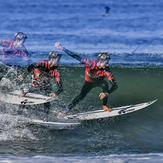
(33, 66)
(111, 80)
(73, 55)
(114, 86)
(60, 88)
(4, 43)
(27, 56)
(84, 61)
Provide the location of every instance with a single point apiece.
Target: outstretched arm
(4, 43)
(29, 69)
(71, 54)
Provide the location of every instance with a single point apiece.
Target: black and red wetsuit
(43, 73)
(94, 77)
(13, 56)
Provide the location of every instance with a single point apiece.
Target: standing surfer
(13, 52)
(96, 71)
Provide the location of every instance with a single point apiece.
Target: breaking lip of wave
(113, 158)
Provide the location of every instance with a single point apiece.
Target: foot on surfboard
(45, 119)
(21, 94)
(106, 108)
(65, 111)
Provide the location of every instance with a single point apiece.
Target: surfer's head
(54, 58)
(19, 39)
(103, 60)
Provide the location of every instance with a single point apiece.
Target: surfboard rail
(97, 114)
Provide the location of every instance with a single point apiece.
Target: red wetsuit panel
(93, 73)
(43, 73)
(9, 51)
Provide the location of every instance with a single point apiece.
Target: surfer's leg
(46, 110)
(21, 91)
(105, 88)
(85, 89)
(47, 90)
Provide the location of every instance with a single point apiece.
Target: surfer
(13, 50)
(107, 9)
(44, 71)
(96, 71)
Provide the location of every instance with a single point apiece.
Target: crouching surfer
(41, 79)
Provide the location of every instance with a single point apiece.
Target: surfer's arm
(111, 79)
(73, 55)
(27, 56)
(112, 89)
(4, 43)
(29, 69)
(114, 86)
(32, 66)
(84, 61)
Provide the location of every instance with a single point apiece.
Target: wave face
(132, 133)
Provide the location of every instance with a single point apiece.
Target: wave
(135, 158)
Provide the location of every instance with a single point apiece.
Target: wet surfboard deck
(105, 114)
(28, 99)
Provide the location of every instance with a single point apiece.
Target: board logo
(25, 102)
(125, 111)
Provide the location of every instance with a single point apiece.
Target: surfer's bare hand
(102, 95)
(60, 115)
(21, 77)
(58, 46)
(53, 95)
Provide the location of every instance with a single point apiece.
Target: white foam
(114, 158)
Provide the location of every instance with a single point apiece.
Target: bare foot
(106, 108)
(21, 94)
(60, 115)
(45, 120)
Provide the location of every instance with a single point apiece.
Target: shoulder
(89, 62)
(42, 62)
(107, 69)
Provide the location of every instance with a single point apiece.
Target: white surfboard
(105, 114)
(56, 125)
(28, 99)
(53, 123)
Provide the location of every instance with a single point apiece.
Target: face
(102, 64)
(19, 43)
(53, 61)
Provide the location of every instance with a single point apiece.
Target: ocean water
(133, 35)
